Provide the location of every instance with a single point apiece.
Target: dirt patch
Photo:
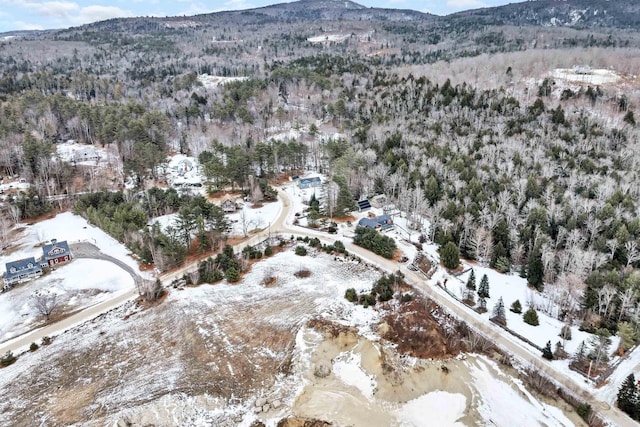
(302, 422)
(302, 273)
(331, 329)
(421, 329)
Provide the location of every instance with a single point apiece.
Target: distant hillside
(580, 14)
(294, 12)
(336, 9)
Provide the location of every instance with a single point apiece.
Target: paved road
(88, 250)
(281, 225)
(515, 348)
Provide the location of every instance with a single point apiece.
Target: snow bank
(496, 399)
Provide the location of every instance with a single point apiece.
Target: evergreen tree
(629, 118)
(471, 281)
(498, 252)
(483, 289)
(535, 270)
(470, 288)
(546, 351)
(499, 314)
(627, 335)
(628, 398)
(531, 317)
(516, 307)
(450, 255)
(344, 202)
(580, 355)
(232, 275)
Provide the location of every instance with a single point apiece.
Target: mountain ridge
(578, 14)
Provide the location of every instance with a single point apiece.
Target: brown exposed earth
(421, 329)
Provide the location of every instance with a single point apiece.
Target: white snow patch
(498, 400)
(594, 76)
(438, 408)
(347, 368)
(215, 81)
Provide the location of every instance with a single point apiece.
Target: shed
(364, 205)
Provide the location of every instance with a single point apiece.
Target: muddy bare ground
(220, 341)
(230, 355)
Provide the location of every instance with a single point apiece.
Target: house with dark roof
(56, 252)
(229, 205)
(382, 222)
(20, 271)
(309, 182)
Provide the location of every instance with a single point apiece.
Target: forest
(458, 122)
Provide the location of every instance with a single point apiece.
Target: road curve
(281, 226)
(22, 342)
(519, 350)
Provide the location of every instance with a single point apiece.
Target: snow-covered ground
(9, 186)
(214, 81)
(512, 287)
(438, 408)
(79, 284)
(215, 341)
(69, 227)
(347, 368)
(328, 38)
(82, 154)
(249, 218)
(593, 76)
(502, 404)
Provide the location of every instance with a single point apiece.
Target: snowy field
(69, 227)
(79, 284)
(217, 342)
(593, 77)
(215, 81)
(329, 38)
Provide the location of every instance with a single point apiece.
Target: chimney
(54, 241)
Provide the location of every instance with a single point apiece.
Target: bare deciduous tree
(45, 302)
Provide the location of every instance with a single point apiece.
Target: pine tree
(531, 317)
(450, 255)
(471, 281)
(580, 355)
(499, 314)
(483, 289)
(535, 270)
(470, 288)
(628, 397)
(546, 351)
